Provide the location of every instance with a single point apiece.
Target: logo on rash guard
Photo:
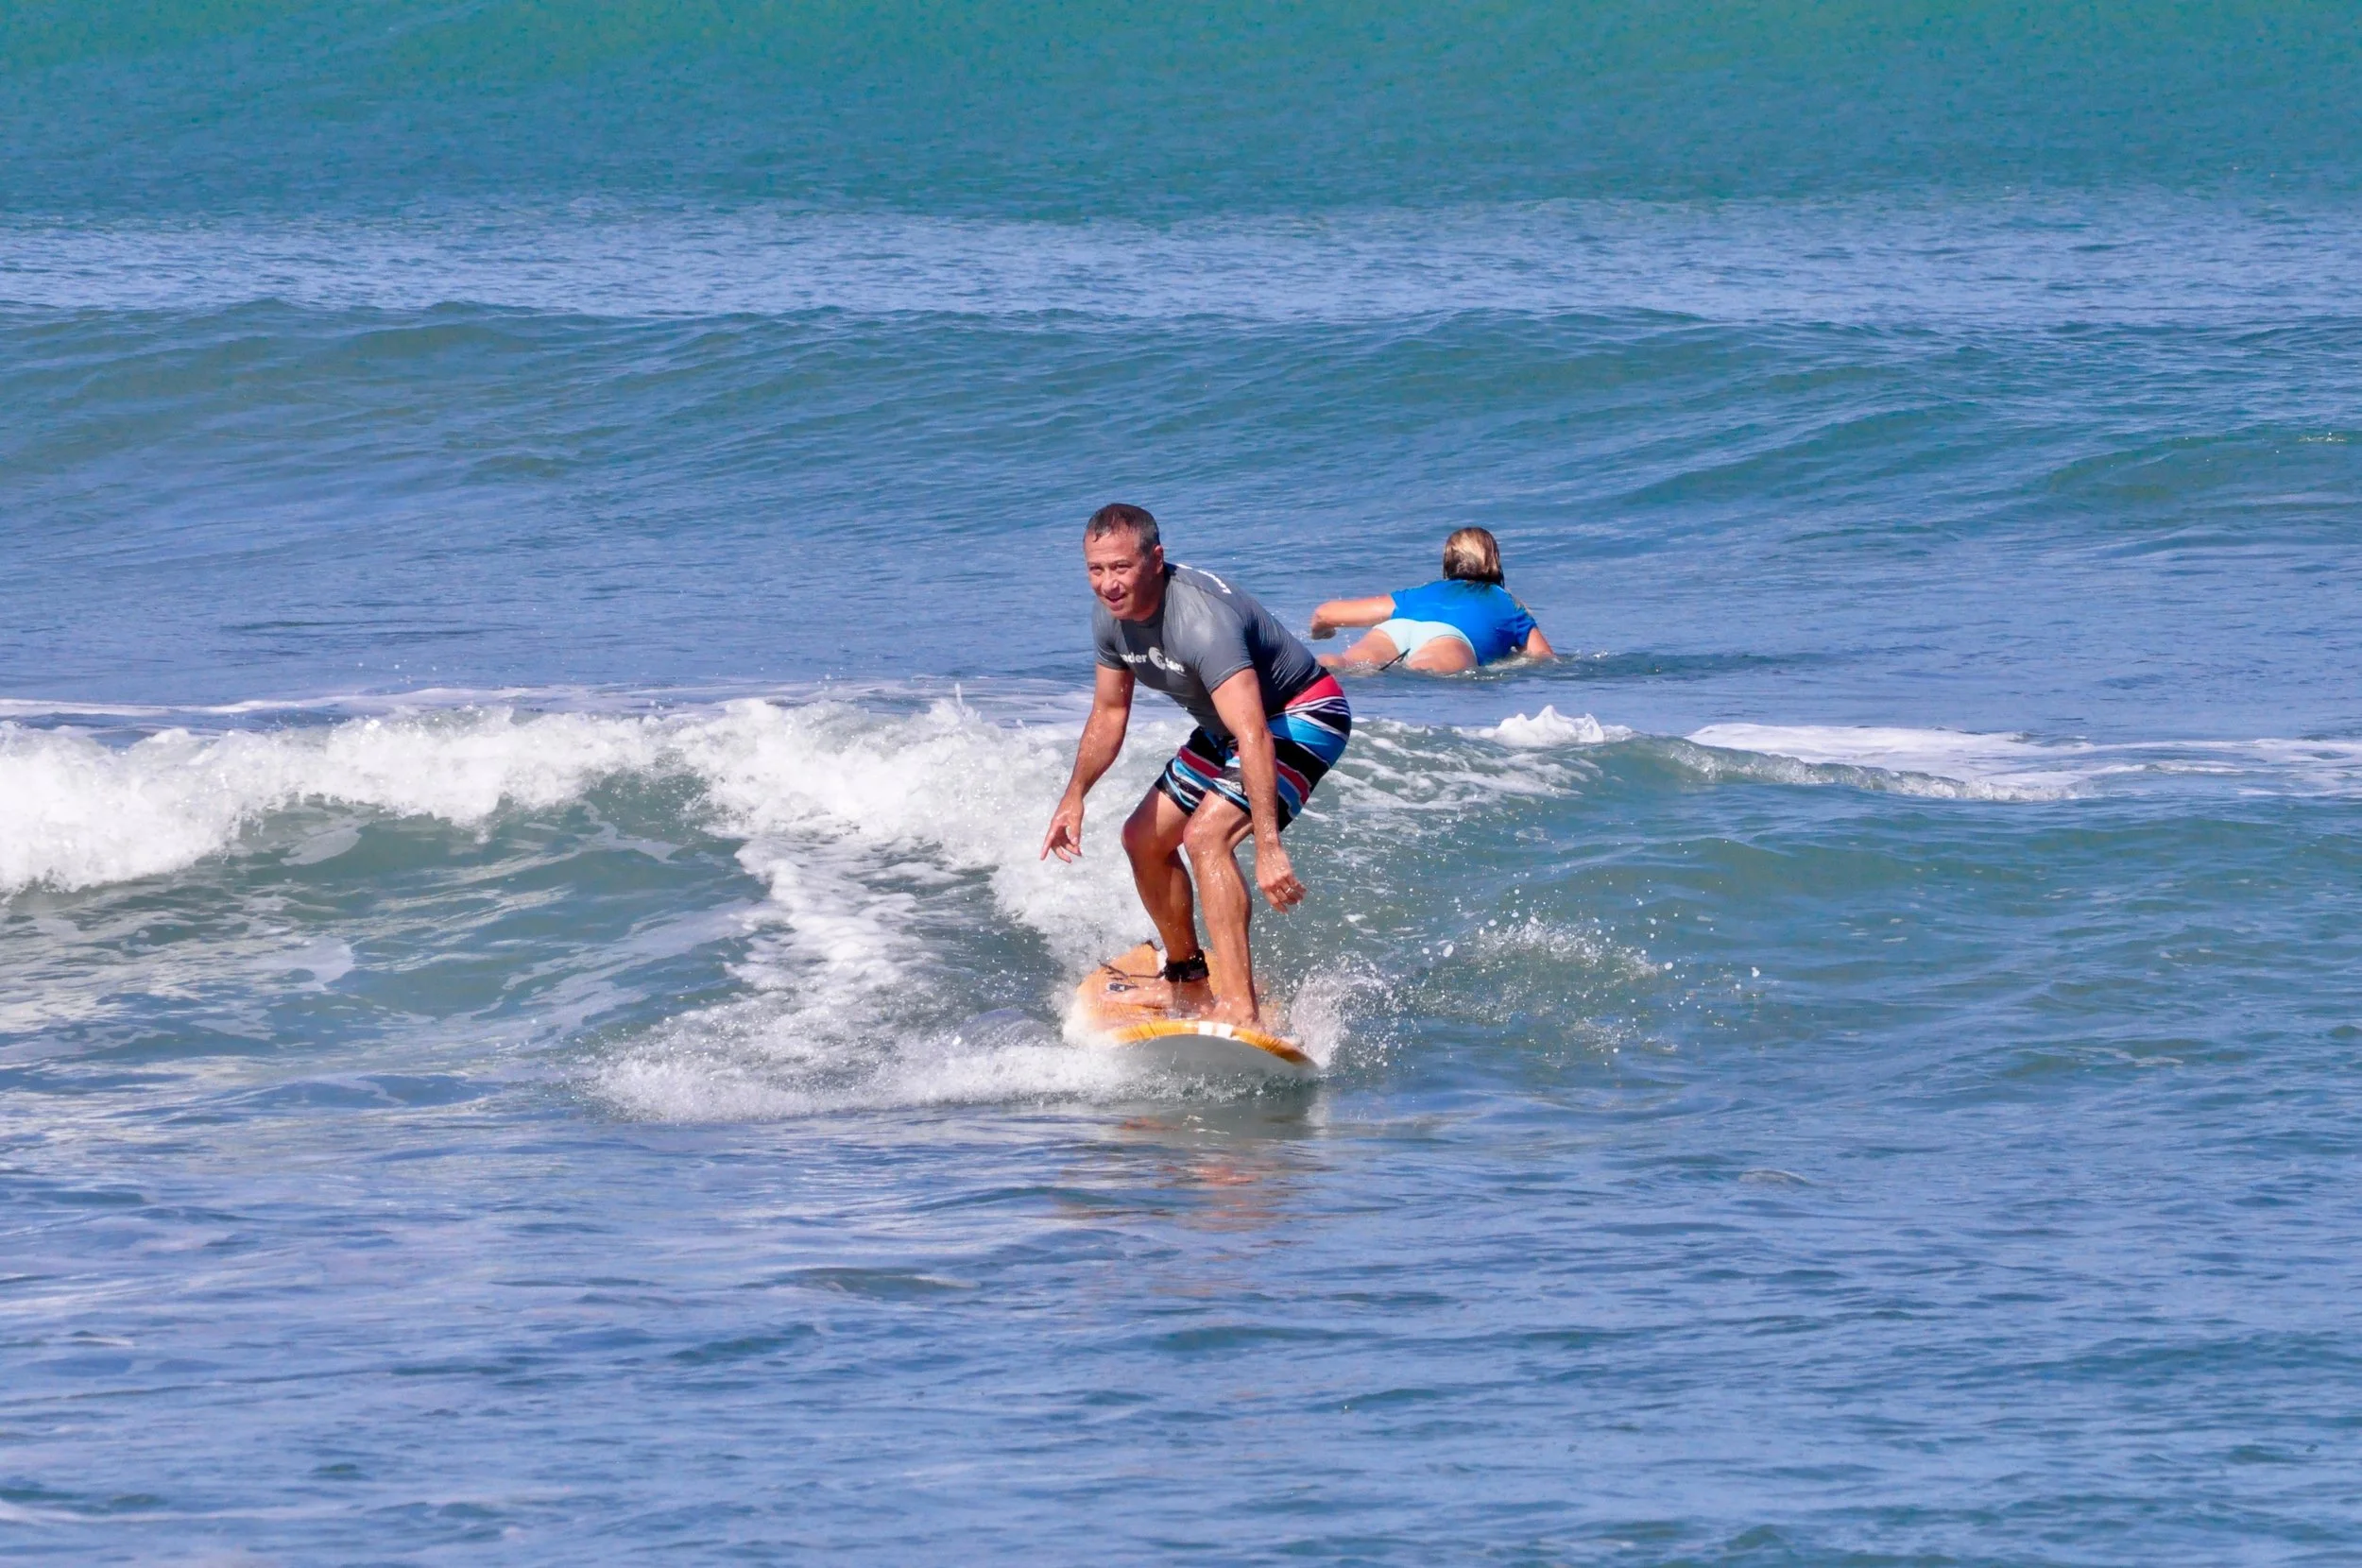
(1156, 656)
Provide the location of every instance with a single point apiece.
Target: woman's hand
(1339, 613)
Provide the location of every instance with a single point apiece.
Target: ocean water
(542, 624)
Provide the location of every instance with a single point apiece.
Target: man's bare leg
(1213, 837)
(1151, 840)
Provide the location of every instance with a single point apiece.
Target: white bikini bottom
(1409, 637)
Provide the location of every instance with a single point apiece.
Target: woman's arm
(1351, 612)
(1539, 646)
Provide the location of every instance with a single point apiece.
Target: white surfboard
(1125, 1006)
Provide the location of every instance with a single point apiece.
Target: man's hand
(1065, 838)
(1277, 878)
(1094, 754)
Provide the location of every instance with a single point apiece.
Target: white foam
(870, 831)
(1983, 766)
(2329, 766)
(75, 813)
(570, 697)
(1394, 767)
(843, 812)
(854, 822)
(1322, 1013)
(944, 789)
(1549, 728)
(1996, 766)
(745, 1061)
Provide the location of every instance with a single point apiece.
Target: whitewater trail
(77, 811)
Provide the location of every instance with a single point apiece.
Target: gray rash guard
(1202, 634)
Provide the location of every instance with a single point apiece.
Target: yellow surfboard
(1124, 1005)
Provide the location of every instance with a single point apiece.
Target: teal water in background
(542, 626)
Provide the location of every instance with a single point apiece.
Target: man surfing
(1270, 724)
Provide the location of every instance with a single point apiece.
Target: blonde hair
(1473, 556)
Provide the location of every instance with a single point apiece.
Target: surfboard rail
(1202, 1029)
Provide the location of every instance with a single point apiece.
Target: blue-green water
(542, 624)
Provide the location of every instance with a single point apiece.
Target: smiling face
(1129, 580)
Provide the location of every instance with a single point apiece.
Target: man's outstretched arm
(1102, 742)
(1240, 701)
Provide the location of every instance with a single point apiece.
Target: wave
(2016, 767)
(81, 814)
(1550, 727)
(77, 813)
(907, 942)
(2015, 262)
(1953, 764)
(1913, 761)
(1941, 763)
(1964, 765)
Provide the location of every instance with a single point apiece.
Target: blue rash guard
(1486, 614)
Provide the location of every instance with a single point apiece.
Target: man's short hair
(1117, 516)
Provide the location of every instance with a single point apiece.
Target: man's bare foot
(1234, 1013)
(1190, 999)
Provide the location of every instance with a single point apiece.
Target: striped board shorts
(1308, 736)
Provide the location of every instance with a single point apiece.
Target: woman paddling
(1466, 620)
